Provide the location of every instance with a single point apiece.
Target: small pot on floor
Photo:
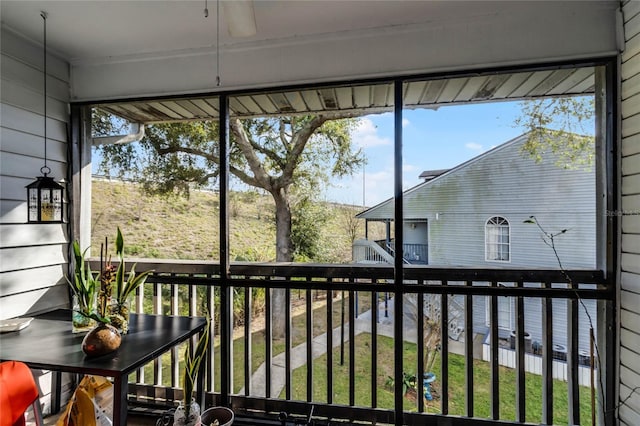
(223, 415)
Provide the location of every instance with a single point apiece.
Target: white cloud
(366, 135)
(473, 146)
(405, 122)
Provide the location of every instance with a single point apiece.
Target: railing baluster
(420, 356)
(547, 359)
(352, 347)
(494, 347)
(444, 353)
(174, 309)
(468, 351)
(572, 362)
(520, 354)
(287, 348)
(157, 299)
(309, 321)
(268, 342)
(330, 344)
(247, 341)
(211, 358)
(231, 319)
(139, 298)
(374, 349)
(192, 300)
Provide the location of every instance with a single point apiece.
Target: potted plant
(188, 412)
(120, 289)
(84, 287)
(104, 338)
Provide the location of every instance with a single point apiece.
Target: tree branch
(244, 143)
(298, 143)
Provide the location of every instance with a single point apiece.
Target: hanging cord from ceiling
(45, 170)
(206, 15)
(217, 42)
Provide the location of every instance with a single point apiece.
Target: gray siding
(504, 182)
(32, 257)
(630, 246)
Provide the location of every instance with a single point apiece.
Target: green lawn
(457, 396)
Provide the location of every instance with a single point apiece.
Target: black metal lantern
(44, 196)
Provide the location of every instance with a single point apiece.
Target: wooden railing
(342, 362)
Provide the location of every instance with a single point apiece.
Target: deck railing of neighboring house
(414, 254)
(367, 251)
(268, 375)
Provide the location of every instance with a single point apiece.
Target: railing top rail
(369, 271)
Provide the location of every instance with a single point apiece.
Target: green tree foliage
(563, 126)
(306, 228)
(282, 155)
(105, 124)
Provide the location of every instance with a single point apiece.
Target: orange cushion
(18, 390)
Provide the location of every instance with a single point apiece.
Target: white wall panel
(29, 122)
(630, 340)
(24, 235)
(631, 185)
(31, 78)
(630, 145)
(18, 258)
(633, 46)
(13, 211)
(630, 282)
(18, 96)
(29, 167)
(630, 87)
(40, 300)
(631, 165)
(631, 244)
(630, 262)
(631, 9)
(22, 281)
(16, 47)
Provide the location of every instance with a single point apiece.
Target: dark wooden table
(48, 344)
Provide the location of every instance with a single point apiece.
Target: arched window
(497, 240)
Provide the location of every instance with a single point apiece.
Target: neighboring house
(473, 215)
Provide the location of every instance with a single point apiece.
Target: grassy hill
(187, 228)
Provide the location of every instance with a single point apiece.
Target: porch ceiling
(96, 36)
(366, 98)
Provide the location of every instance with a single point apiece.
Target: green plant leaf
(192, 364)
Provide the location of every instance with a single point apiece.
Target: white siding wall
(32, 257)
(630, 275)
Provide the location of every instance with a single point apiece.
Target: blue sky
(432, 139)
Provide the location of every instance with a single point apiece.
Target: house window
(496, 237)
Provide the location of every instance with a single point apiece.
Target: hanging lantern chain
(45, 170)
(206, 15)
(218, 43)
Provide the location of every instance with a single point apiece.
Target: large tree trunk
(284, 253)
